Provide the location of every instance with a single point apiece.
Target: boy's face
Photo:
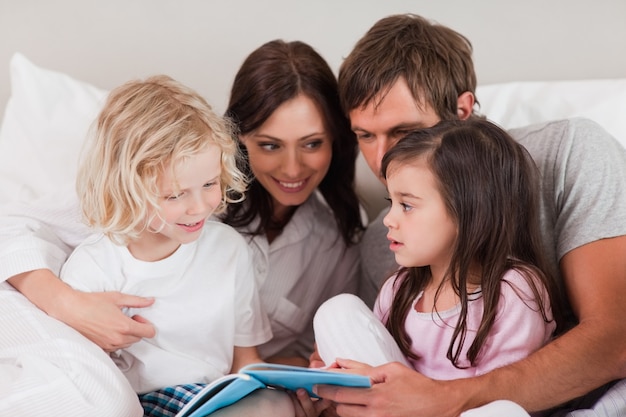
(189, 195)
(380, 124)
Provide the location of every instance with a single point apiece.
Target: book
(232, 387)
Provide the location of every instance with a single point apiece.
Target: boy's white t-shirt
(206, 302)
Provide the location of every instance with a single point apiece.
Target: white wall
(203, 42)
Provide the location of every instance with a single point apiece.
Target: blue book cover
(233, 387)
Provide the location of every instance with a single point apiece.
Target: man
(408, 73)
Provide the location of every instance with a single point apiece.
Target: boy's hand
(306, 406)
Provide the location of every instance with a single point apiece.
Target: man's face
(380, 124)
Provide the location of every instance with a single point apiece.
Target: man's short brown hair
(435, 61)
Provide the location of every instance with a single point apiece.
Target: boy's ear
(465, 105)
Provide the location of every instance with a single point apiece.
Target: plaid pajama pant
(168, 401)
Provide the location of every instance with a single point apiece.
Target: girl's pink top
(519, 329)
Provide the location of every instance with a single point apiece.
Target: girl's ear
(465, 105)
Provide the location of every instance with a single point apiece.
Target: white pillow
(519, 104)
(45, 123)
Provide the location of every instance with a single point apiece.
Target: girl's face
(421, 231)
(290, 153)
(188, 196)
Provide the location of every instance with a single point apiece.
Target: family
(193, 244)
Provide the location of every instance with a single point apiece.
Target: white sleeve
(88, 269)
(39, 235)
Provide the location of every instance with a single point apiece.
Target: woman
(68, 373)
(301, 213)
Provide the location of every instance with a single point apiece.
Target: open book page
(231, 388)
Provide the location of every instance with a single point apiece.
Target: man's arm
(586, 357)
(589, 355)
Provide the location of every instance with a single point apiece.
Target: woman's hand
(99, 317)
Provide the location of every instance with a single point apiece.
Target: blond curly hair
(144, 126)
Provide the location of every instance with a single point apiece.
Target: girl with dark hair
(301, 214)
(472, 293)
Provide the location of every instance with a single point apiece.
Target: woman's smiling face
(290, 153)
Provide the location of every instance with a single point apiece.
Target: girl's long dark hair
(274, 73)
(491, 188)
